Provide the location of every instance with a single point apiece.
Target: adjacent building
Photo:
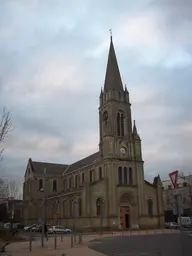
(173, 204)
(106, 189)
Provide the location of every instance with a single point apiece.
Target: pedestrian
(45, 231)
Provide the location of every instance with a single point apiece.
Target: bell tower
(116, 134)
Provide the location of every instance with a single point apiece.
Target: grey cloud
(69, 116)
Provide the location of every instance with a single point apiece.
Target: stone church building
(106, 189)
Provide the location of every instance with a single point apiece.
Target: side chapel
(106, 189)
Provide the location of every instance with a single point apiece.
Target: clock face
(105, 116)
(123, 150)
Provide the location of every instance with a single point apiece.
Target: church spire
(135, 133)
(112, 78)
(134, 128)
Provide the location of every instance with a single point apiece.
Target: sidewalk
(22, 248)
(64, 245)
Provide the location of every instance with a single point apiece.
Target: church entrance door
(126, 220)
(125, 217)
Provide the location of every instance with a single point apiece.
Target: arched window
(70, 208)
(70, 182)
(99, 206)
(54, 185)
(150, 207)
(65, 184)
(122, 124)
(91, 176)
(130, 176)
(118, 125)
(125, 175)
(83, 178)
(79, 207)
(76, 181)
(100, 173)
(120, 175)
(40, 184)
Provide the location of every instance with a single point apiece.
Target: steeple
(135, 133)
(112, 78)
(134, 128)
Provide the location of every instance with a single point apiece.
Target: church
(106, 189)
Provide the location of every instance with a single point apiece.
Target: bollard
(30, 241)
(75, 238)
(55, 241)
(71, 240)
(61, 238)
(80, 238)
(159, 252)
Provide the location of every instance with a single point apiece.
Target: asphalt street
(146, 245)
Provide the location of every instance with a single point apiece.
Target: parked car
(35, 228)
(28, 228)
(171, 225)
(58, 230)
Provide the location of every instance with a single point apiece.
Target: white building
(182, 203)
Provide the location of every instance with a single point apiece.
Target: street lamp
(74, 203)
(43, 218)
(57, 215)
(100, 205)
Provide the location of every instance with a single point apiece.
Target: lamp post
(74, 201)
(100, 205)
(43, 190)
(57, 215)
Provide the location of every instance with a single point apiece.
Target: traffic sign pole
(174, 177)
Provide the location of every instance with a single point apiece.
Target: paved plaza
(117, 243)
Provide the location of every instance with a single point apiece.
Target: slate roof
(148, 183)
(83, 162)
(51, 168)
(59, 169)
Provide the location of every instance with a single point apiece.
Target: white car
(58, 229)
(28, 228)
(172, 225)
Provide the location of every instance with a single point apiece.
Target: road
(145, 245)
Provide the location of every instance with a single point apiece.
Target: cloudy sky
(53, 57)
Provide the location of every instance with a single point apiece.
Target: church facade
(106, 189)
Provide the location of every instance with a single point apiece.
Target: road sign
(173, 177)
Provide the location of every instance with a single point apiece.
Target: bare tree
(5, 127)
(3, 191)
(9, 190)
(14, 190)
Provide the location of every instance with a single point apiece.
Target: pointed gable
(112, 78)
(29, 170)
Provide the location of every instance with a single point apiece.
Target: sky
(53, 57)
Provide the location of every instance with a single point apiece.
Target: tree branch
(5, 128)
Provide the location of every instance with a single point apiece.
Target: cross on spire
(110, 31)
